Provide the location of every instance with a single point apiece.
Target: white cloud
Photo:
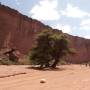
(45, 10)
(75, 28)
(74, 12)
(64, 28)
(87, 36)
(85, 24)
(17, 2)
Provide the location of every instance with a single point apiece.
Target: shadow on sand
(47, 69)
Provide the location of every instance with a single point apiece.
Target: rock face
(82, 47)
(19, 31)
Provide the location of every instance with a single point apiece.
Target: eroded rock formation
(19, 31)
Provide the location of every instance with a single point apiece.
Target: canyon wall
(82, 48)
(19, 31)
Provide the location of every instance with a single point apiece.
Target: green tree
(49, 49)
(60, 48)
(40, 53)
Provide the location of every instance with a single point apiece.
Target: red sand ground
(68, 77)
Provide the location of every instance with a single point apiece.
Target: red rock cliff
(19, 31)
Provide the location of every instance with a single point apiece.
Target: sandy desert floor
(68, 77)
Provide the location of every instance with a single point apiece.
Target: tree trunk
(55, 63)
(47, 65)
(41, 66)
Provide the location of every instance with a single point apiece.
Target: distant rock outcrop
(19, 31)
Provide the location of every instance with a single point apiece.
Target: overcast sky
(72, 16)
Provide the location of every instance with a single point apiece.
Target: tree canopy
(49, 49)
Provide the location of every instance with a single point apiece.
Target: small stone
(42, 81)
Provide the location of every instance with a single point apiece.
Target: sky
(70, 16)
